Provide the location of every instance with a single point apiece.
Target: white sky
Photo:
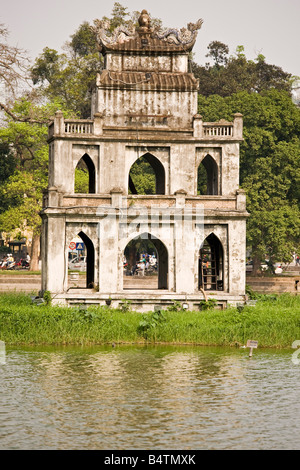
(269, 27)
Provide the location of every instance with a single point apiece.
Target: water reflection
(159, 397)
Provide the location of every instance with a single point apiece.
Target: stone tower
(144, 106)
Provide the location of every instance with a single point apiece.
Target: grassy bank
(273, 322)
(19, 272)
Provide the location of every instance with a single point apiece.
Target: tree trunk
(132, 257)
(34, 262)
(256, 271)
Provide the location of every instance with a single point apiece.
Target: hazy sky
(269, 27)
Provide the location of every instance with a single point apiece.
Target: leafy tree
(64, 81)
(261, 91)
(67, 77)
(119, 16)
(83, 41)
(7, 162)
(273, 228)
(14, 65)
(70, 76)
(81, 180)
(219, 52)
(143, 177)
(229, 75)
(22, 191)
(270, 168)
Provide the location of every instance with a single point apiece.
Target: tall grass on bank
(273, 322)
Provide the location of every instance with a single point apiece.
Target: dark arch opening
(147, 176)
(85, 176)
(211, 264)
(208, 177)
(90, 260)
(137, 253)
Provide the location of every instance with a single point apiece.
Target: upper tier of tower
(146, 73)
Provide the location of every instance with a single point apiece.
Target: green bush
(273, 322)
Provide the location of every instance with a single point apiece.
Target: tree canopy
(269, 167)
(235, 73)
(269, 154)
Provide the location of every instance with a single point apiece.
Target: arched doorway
(207, 177)
(82, 261)
(85, 176)
(145, 263)
(211, 264)
(146, 176)
(90, 260)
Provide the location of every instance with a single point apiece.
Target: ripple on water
(149, 398)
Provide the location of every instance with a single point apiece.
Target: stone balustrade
(75, 127)
(79, 126)
(217, 130)
(201, 130)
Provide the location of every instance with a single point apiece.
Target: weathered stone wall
(145, 103)
(112, 161)
(274, 285)
(123, 107)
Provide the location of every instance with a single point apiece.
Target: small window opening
(146, 176)
(211, 264)
(207, 177)
(85, 176)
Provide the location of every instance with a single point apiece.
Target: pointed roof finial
(144, 22)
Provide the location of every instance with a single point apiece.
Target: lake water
(156, 397)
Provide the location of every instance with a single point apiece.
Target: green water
(162, 397)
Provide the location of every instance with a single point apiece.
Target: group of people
(146, 264)
(8, 261)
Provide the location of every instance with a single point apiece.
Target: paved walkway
(32, 283)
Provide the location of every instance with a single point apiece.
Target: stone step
(275, 284)
(19, 280)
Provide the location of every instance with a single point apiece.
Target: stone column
(98, 124)
(237, 256)
(54, 265)
(238, 126)
(53, 197)
(184, 233)
(240, 200)
(180, 195)
(59, 123)
(116, 197)
(198, 126)
(108, 254)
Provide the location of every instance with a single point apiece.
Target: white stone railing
(201, 130)
(79, 126)
(75, 127)
(217, 130)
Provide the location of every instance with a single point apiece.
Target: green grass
(18, 272)
(273, 322)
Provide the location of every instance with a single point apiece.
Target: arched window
(90, 260)
(145, 263)
(82, 258)
(207, 177)
(211, 264)
(147, 176)
(85, 182)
